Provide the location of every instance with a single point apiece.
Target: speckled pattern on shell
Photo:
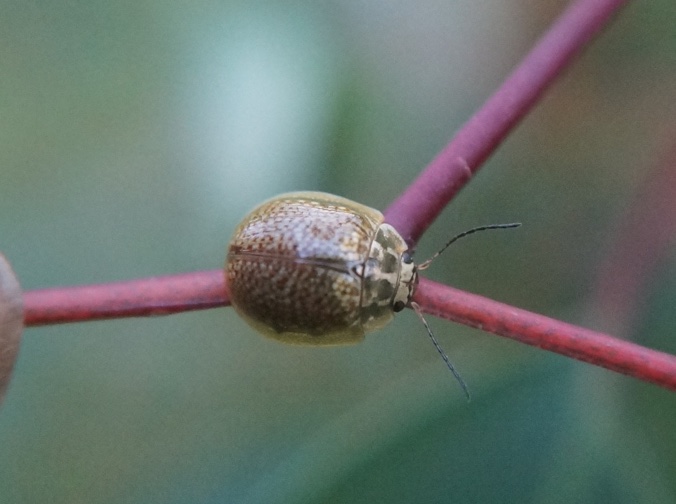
(294, 267)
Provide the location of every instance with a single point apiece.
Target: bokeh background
(135, 135)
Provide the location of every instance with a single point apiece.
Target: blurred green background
(135, 135)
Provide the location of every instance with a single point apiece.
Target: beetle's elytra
(314, 268)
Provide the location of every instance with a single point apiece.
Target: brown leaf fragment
(11, 322)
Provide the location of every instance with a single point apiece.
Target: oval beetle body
(314, 268)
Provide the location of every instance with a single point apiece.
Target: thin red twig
(145, 297)
(417, 207)
(207, 289)
(546, 333)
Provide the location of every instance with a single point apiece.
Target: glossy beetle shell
(313, 268)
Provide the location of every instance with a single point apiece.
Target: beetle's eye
(407, 257)
(398, 306)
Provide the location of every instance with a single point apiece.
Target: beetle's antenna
(418, 311)
(427, 263)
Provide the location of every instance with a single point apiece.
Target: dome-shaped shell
(315, 268)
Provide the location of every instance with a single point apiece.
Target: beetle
(314, 268)
(317, 269)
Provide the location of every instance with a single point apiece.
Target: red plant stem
(137, 298)
(413, 212)
(543, 332)
(207, 289)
